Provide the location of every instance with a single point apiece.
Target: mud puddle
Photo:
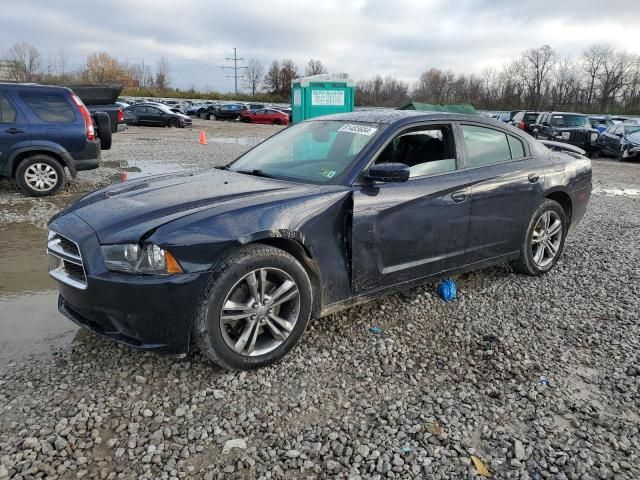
(30, 324)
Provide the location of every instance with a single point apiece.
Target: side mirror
(619, 135)
(388, 172)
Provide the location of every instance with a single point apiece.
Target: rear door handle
(13, 130)
(459, 196)
(533, 177)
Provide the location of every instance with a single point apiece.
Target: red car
(265, 115)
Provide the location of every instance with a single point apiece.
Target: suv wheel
(255, 308)
(40, 175)
(544, 240)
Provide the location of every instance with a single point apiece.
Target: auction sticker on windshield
(359, 129)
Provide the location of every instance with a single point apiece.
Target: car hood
(126, 212)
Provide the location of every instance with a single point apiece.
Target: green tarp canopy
(465, 108)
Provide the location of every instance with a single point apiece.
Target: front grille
(579, 137)
(65, 261)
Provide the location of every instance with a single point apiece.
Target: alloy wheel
(41, 177)
(546, 238)
(260, 312)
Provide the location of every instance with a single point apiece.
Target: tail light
(120, 115)
(521, 125)
(86, 116)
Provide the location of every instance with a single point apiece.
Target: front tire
(544, 240)
(255, 308)
(173, 123)
(40, 176)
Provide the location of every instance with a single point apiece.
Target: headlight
(566, 135)
(133, 258)
(594, 137)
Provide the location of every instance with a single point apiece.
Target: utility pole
(235, 68)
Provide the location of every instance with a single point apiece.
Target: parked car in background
(328, 213)
(524, 119)
(621, 141)
(567, 127)
(229, 111)
(156, 115)
(266, 115)
(600, 123)
(45, 129)
(253, 106)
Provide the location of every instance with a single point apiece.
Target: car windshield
(314, 152)
(570, 121)
(632, 129)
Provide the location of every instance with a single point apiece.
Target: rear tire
(220, 336)
(542, 247)
(40, 176)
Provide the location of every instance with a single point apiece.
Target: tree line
(24, 63)
(600, 79)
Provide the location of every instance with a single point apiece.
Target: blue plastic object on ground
(375, 329)
(447, 290)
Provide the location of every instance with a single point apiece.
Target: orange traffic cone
(123, 176)
(202, 139)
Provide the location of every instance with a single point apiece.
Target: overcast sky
(360, 37)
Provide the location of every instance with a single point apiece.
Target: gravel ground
(535, 377)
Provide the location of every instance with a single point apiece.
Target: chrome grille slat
(66, 264)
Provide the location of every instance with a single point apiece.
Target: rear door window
(517, 147)
(485, 146)
(49, 107)
(7, 111)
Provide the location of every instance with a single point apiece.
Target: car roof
(11, 85)
(392, 117)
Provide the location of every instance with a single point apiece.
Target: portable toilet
(321, 95)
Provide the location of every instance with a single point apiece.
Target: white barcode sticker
(359, 129)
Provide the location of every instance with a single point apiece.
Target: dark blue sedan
(325, 214)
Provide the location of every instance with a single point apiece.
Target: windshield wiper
(256, 172)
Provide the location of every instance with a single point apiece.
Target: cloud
(361, 37)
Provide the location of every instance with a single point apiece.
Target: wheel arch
(293, 243)
(564, 199)
(21, 154)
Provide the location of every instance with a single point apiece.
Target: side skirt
(377, 293)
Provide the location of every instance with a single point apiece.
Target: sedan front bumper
(150, 312)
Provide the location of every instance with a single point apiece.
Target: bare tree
(253, 75)
(162, 74)
(615, 74)
(593, 59)
(540, 62)
(63, 61)
(315, 67)
(288, 72)
(24, 62)
(272, 81)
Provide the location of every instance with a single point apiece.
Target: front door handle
(459, 196)
(533, 177)
(13, 130)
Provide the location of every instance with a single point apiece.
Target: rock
(180, 412)
(30, 443)
(363, 451)
(518, 450)
(234, 443)
(292, 453)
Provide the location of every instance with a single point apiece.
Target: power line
(235, 68)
